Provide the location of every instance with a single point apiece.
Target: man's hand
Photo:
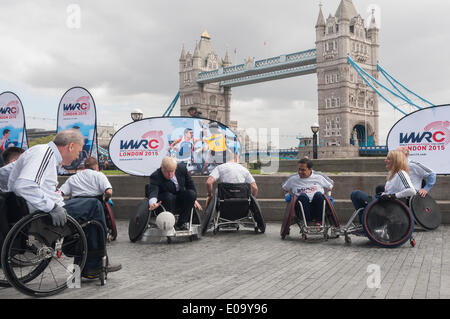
(155, 205)
(422, 192)
(59, 216)
(198, 206)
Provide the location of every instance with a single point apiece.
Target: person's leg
(185, 202)
(87, 209)
(359, 199)
(317, 207)
(304, 200)
(168, 201)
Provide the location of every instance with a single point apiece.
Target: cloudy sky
(126, 54)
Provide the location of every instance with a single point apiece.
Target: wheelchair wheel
(426, 211)
(40, 259)
(110, 221)
(139, 221)
(196, 218)
(209, 215)
(331, 213)
(388, 223)
(257, 215)
(288, 215)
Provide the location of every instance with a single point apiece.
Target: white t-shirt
(417, 172)
(400, 185)
(34, 177)
(309, 186)
(232, 173)
(87, 182)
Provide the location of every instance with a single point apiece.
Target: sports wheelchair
(330, 222)
(143, 227)
(387, 223)
(40, 259)
(231, 206)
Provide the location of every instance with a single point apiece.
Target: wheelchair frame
(305, 229)
(37, 242)
(357, 229)
(248, 221)
(152, 229)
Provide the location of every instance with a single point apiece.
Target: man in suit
(172, 185)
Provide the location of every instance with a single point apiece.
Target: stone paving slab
(246, 265)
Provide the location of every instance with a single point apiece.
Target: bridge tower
(347, 107)
(210, 99)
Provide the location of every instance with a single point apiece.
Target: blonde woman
(398, 184)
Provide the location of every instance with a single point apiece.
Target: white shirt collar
(56, 152)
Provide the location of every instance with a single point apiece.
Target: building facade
(211, 100)
(347, 107)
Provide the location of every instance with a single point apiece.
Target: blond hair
(404, 150)
(399, 163)
(169, 163)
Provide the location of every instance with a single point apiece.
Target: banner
(77, 111)
(12, 122)
(426, 133)
(139, 147)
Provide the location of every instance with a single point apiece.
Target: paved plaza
(234, 265)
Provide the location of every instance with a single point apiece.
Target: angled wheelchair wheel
(388, 223)
(196, 217)
(257, 215)
(426, 211)
(288, 215)
(331, 213)
(139, 221)
(110, 221)
(40, 259)
(209, 214)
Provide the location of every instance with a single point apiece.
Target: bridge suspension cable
(172, 105)
(366, 77)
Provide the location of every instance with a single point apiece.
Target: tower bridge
(347, 107)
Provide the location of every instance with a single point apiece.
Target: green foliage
(41, 140)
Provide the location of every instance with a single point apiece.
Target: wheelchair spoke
(53, 275)
(64, 266)
(40, 283)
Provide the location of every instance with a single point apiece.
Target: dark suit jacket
(159, 184)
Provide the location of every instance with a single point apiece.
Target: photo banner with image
(12, 122)
(426, 133)
(201, 144)
(77, 111)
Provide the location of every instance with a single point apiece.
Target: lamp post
(315, 129)
(137, 115)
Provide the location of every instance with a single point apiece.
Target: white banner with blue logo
(426, 133)
(12, 122)
(201, 144)
(77, 111)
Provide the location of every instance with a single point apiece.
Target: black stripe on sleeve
(404, 180)
(44, 165)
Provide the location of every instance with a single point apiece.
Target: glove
(110, 202)
(59, 216)
(385, 197)
(287, 198)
